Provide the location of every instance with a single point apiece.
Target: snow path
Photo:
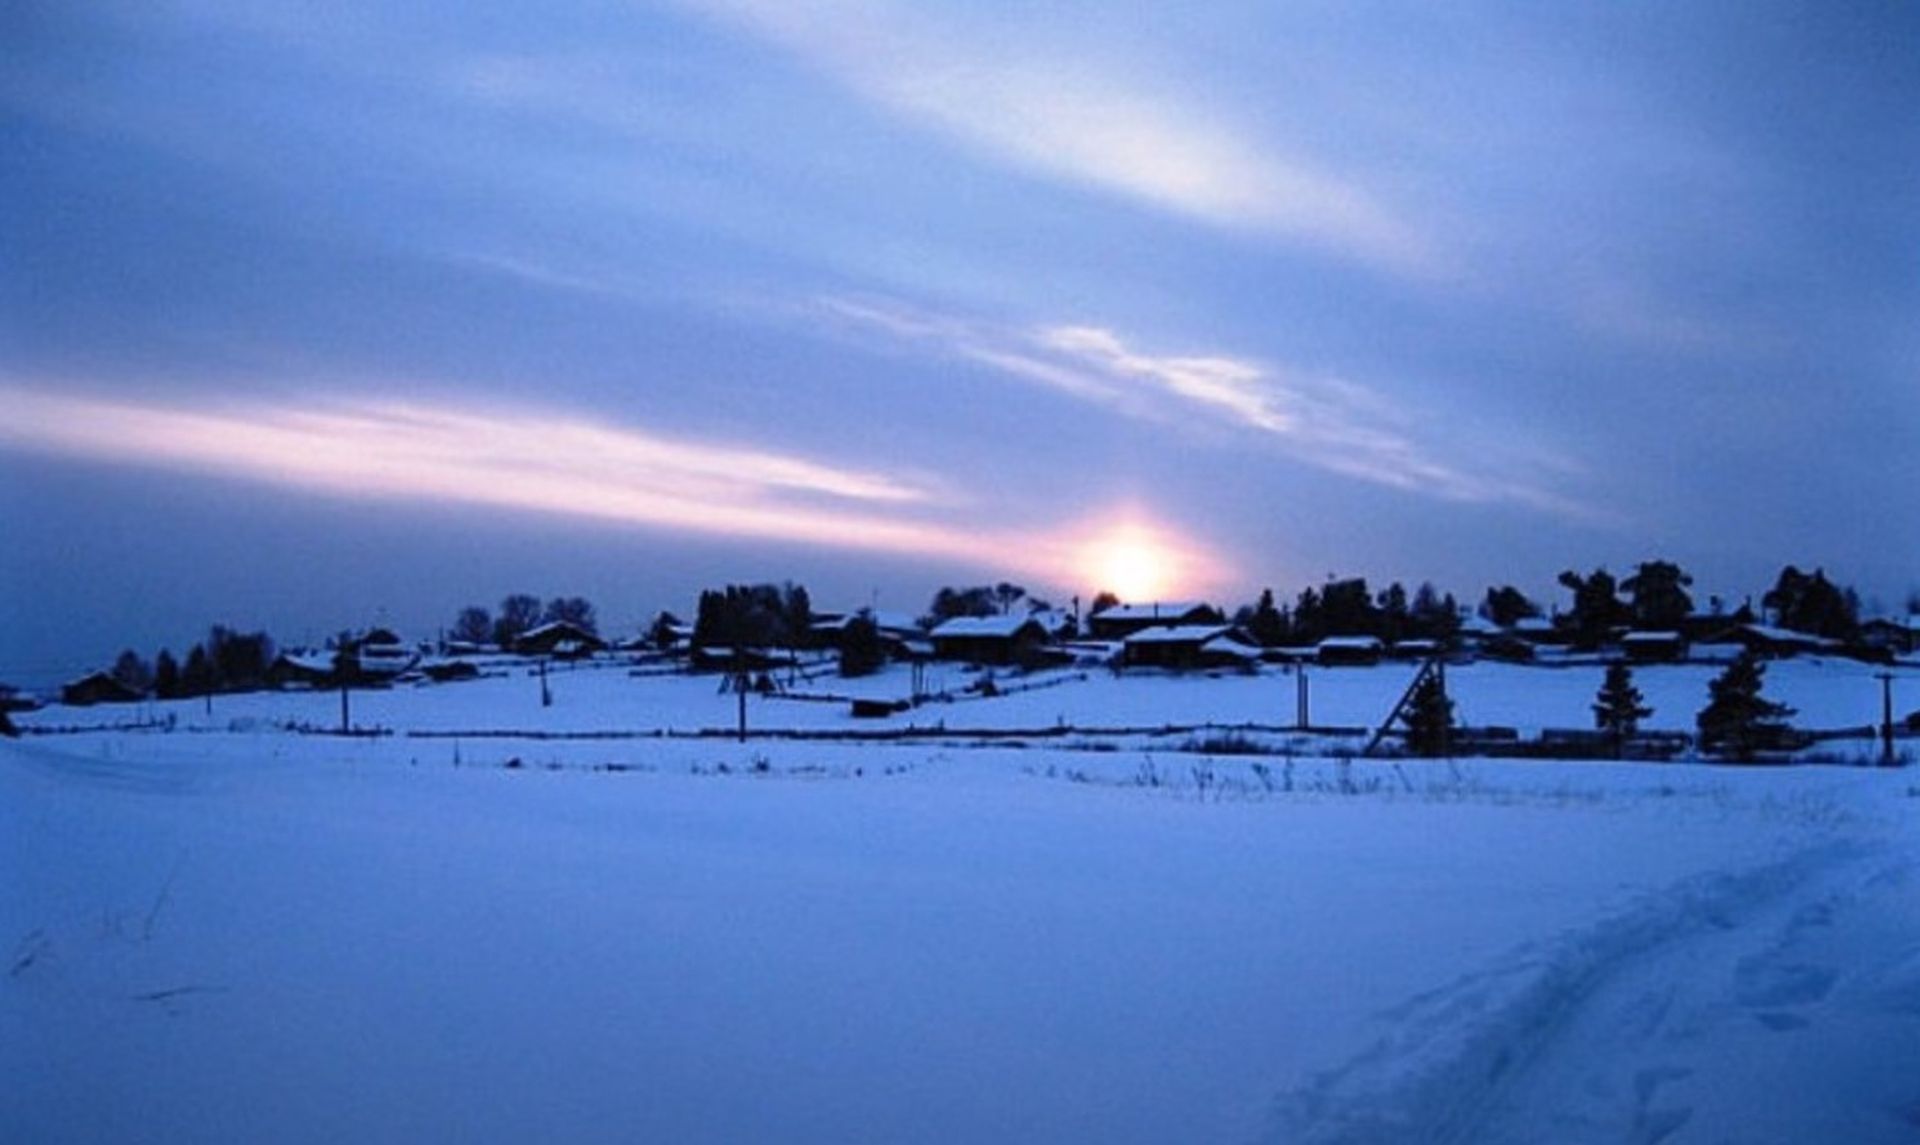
(1673, 1022)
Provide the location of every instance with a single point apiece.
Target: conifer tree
(861, 650)
(1618, 707)
(1738, 723)
(1430, 718)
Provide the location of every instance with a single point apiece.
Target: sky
(314, 315)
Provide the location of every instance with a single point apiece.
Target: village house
(900, 634)
(990, 640)
(1654, 647)
(1775, 643)
(1123, 620)
(1186, 647)
(1899, 635)
(99, 688)
(1349, 651)
(291, 670)
(560, 639)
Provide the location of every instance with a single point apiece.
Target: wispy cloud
(1325, 421)
(511, 458)
(1053, 112)
(542, 462)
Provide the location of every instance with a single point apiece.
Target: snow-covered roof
(1788, 636)
(983, 626)
(1533, 624)
(885, 621)
(1474, 624)
(565, 628)
(1179, 634)
(1226, 644)
(1651, 636)
(1153, 610)
(320, 662)
(1352, 643)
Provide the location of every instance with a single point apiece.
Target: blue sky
(316, 314)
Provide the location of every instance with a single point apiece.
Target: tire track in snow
(1488, 1057)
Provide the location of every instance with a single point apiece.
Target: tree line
(1655, 595)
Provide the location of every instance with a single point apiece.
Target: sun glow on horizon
(1139, 562)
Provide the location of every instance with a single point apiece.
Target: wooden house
(1123, 620)
(560, 639)
(1185, 647)
(1654, 647)
(303, 670)
(990, 640)
(99, 688)
(1349, 651)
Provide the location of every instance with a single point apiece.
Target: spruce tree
(1738, 723)
(166, 675)
(1430, 718)
(1618, 707)
(861, 651)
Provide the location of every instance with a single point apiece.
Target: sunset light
(1140, 562)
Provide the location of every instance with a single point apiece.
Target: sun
(1132, 563)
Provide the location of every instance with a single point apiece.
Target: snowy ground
(231, 932)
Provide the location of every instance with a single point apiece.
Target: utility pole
(740, 688)
(343, 668)
(546, 693)
(1301, 719)
(1886, 717)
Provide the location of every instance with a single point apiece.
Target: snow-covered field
(227, 931)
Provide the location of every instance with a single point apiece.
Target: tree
(1264, 621)
(1432, 615)
(196, 676)
(130, 670)
(664, 632)
(238, 660)
(1006, 595)
(1596, 607)
(166, 675)
(1618, 707)
(1658, 595)
(474, 625)
(1430, 718)
(1738, 723)
(518, 613)
(950, 603)
(1393, 613)
(1347, 608)
(1812, 604)
(1507, 605)
(861, 651)
(574, 610)
(1309, 618)
(752, 616)
(1106, 599)
(796, 612)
